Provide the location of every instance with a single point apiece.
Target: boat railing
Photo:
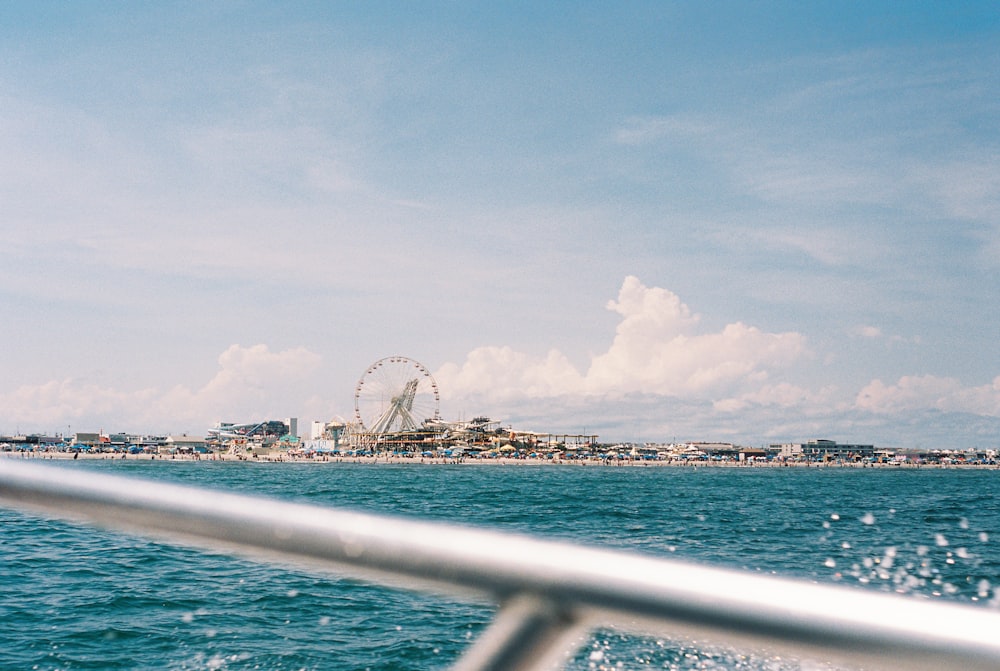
(550, 594)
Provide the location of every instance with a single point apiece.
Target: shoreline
(499, 461)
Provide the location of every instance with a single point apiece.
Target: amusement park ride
(395, 395)
(397, 405)
(396, 409)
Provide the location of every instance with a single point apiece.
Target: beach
(596, 462)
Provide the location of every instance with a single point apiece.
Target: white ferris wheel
(395, 395)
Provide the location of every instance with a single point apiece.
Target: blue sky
(755, 222)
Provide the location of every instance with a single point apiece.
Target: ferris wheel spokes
(395, 395)
(399, 413)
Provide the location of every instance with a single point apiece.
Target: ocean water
(72, 597)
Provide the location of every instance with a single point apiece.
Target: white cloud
(924, 392)
(869, 331)
(780, 395)
(875, 333)
(251, 383)
(502, 373)
(657, 349)
(61, 403)
(638, 131)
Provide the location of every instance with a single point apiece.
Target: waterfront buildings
(824, 450)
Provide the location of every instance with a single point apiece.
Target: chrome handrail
(550, 593)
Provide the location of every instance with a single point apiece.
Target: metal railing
(550, 593)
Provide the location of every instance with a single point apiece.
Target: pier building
(824, 450)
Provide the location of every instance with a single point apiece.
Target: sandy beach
(596, 462)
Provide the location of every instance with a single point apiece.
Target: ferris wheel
(396, 394)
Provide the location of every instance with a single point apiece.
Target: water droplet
(983, 588)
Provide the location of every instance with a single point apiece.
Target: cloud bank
(657, 349)
(927, 392)
(251, 383)
(663, 375)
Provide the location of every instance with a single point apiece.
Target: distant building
(88, 439)
(713, 448)
(186, 443)
(752, 453)
(119, 440)
(267, 431)
(824, 450)
(328, 431)
(33, 439)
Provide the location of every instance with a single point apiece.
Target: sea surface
(72, 597)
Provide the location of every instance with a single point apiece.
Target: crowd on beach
(619, 460)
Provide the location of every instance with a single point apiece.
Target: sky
(652, 221)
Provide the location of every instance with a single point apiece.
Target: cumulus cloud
(875, 333)
(251, 382)
(59, 403)
(657, 349)
(258, 367)
(503, 373)
(925, 392)
(865, 331)
(780, 395)
(665, 375)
